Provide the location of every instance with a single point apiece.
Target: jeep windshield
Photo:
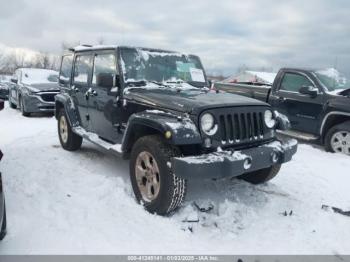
(142, 66)
(332, 79)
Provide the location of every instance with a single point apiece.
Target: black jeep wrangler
(154, 107)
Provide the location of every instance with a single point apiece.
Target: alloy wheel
(340, 142)
(147, 176)
(63, 129)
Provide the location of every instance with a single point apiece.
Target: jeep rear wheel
(337, 139)
(153, 181)
(262, 175)
(68, 139)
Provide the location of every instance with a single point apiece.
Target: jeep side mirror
(14, 80)
(309, 90)
(105, 80)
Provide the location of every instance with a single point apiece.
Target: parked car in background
(34, 90)
(2, 197)
(317, 103)
(155, 108)
(4, 90)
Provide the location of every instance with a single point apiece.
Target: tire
(22, 108)
(168, 190)
(68, 139)
(3, 226)
(12, 105)
(262, 175)
(337, 139)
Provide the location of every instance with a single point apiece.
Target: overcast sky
(225, 34)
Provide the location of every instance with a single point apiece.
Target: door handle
(75, 89)
(90, 92)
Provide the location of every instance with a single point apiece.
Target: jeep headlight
(270, 121)
(208, 125)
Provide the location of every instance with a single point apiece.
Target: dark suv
(154, 107)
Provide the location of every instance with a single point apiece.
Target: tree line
(14, 59)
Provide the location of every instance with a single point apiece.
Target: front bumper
(34, 104)
(235, 163)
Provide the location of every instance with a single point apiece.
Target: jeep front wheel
(68, 139)
(337, 139)
(153, 181)
(262, 175)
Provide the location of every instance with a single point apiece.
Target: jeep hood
(191, 101)
(43, 87)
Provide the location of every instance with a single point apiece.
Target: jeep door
(80, 86)
(302, 110)
(104, 110)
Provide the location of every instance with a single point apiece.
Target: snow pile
(330, 72)
(61, 202)
(219, 156)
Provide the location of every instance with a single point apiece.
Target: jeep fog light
(167, 134)
(247, 163)
(270, 122)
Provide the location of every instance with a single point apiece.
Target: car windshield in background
(161, 67)
(37, 76)
(332, 79)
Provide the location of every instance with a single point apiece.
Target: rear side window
(293, 82)
(66, 69)
(82, 69)
(104, 63)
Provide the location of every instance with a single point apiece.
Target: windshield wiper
(140, 83)
(158, 83)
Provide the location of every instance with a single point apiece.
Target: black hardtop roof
(83, 48)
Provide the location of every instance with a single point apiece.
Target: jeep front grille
(241, 127)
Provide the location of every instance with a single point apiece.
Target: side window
(82, 69)
(104, 63)
(66, 69)
(293, 82)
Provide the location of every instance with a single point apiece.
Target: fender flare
(68, 105)
(183, 129)
(326, 117)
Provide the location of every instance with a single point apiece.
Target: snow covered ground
(60, 202)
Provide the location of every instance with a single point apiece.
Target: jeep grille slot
(241, 127)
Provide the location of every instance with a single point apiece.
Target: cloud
(225, 34)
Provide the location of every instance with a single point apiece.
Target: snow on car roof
(37, 76)
(102, 47)
(95, 47)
